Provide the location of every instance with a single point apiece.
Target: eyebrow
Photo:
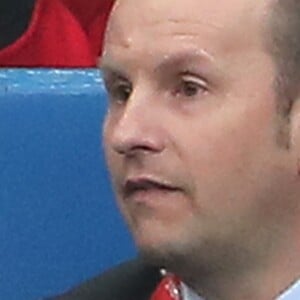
(111, 70)
(184, 58)
(167, 62)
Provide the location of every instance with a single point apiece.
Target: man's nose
(138, 130)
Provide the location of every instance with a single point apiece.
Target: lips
(133, 186)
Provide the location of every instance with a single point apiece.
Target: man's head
(193, 134)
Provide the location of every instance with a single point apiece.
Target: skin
(192, 106)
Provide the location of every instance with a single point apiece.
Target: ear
(294, 135)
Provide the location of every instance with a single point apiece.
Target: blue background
(58, 221)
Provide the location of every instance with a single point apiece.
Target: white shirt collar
(292, 293)
(189, 294)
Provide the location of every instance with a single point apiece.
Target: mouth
(136, 186)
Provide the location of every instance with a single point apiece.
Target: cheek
(107, 136)
(114, 165)
(225, 151)
(112, 159)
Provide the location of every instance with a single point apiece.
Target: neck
(265, 280)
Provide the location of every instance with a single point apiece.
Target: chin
(160, 241)
(155, 235)
(162, 251)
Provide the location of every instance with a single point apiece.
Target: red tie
(167, 289)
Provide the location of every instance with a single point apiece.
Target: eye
(190, 86)
(119, 89)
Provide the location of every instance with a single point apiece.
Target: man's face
(190, 134)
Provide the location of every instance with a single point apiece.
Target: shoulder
(128, 281)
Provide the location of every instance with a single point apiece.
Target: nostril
(132, 149)
(138, 144)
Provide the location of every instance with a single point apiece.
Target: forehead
(152, 11)
(149, 25)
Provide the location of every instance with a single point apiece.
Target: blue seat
(59, 224)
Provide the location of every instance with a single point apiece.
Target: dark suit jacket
(130, 281)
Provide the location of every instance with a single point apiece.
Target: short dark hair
(283, 42)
